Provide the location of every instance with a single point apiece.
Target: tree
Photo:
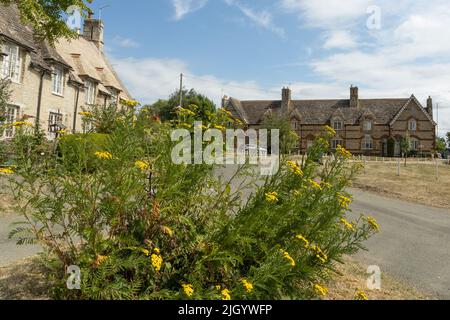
(448, 138)
(48, 17)
(166, 108)
(405, 145)
(288, 138)
(441, 145)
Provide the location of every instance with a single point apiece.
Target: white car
(252, 149)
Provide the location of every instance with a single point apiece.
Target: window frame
(414, 144)
(367, 122)
(410, 122)
(58, 77)
(367, 143)
(12, 117)
(53, 118)
(336, 142)
(89, 92)
(12, 63)
(338, 128)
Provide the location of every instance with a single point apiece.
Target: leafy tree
(405, 145)
(166, 108)
(48, 17)
(441, 145)
(448, 138)
(288, 138)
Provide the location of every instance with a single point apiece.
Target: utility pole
(181, 90)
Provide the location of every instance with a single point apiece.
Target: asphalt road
(413, 246)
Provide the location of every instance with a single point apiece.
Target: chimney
(285, 101)
(93, 31)
(354, 97)
(429, 107)
(225, 100)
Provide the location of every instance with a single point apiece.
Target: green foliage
(441, 145)
(448, 138)
(48, 17)
(166, 108)
(102, 119)
(405, 144)
(77, 151)
(142, 227)
(288, 138)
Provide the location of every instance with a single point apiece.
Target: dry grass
(6, 198)
(416, 183)
(354, 277)
(23, 280)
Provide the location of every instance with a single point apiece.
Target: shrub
(77, 151)
(142, 227)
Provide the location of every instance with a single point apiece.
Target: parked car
(252, 149)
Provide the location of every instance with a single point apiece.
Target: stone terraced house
(52, 84)
(363, 126)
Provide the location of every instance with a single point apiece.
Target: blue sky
(250, 49)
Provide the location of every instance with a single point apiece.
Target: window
(367, 143)
(10, 116)
(12, 63)
(337, 125)
(335, 143)
(58, 81)
(414, 144)
(367, 125)
(89, 92)
(54, 118)
(412, 125)
(294, 125)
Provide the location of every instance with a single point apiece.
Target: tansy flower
(271, 197)
(320, 290)
(218, 287)
(188, 290)
(347, 225)
(85, 114)
(320, 255)
(361, 295)
(19, 124)
(302, 238)
(156, 250)
(344, 201)
(103, 155)
(146, 252)
(184, 112)
(167, 230)
(314, 184)
(129, 103)
(330, 130)
(247, 285)
(295, 168)
(99, 260)
(6, 171)
(225, 111)
(288, 257)
(62, 132)
(143, 165)
(373, 223)
(157, 261)
(226, 294)
(219, 127)
(343, 152)
(185, 125)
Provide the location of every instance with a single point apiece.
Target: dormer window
(338, 125)
(295, 125)
(412, 125)
(367, 125)
(89, 92)
(11, 67)
(58, 81)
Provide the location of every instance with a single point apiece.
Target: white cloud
(184, 7)
(339, 39)
(262, 18)
(125, 42)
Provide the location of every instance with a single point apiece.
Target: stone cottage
(363, 126)
(51, 85)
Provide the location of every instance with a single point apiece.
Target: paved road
(414, 243)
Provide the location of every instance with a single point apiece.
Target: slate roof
(90, 61)
(322, 111)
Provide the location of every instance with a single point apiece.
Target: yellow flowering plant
(140, 226)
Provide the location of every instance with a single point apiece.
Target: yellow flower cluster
(295, 168)
(99, 260)
(143, 165)
(157, 260)
(319, 254)
(85, 114)
(129, 103)
(188, 290)
(361, 295)
(314, 185)
(104, 155)
(373, 223)
(228, 113)
(343, 152)
(146, 252)
(288, 257)
(6, 171)
(271, 197)
(19, 124)
(219, 127)
(302, 238)
(226, 294)
(321, 290)
(62, 132)
(247, 285)
(167, 230)
(347, 224)
(344, 201)
(330, 130)
(183, 112)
